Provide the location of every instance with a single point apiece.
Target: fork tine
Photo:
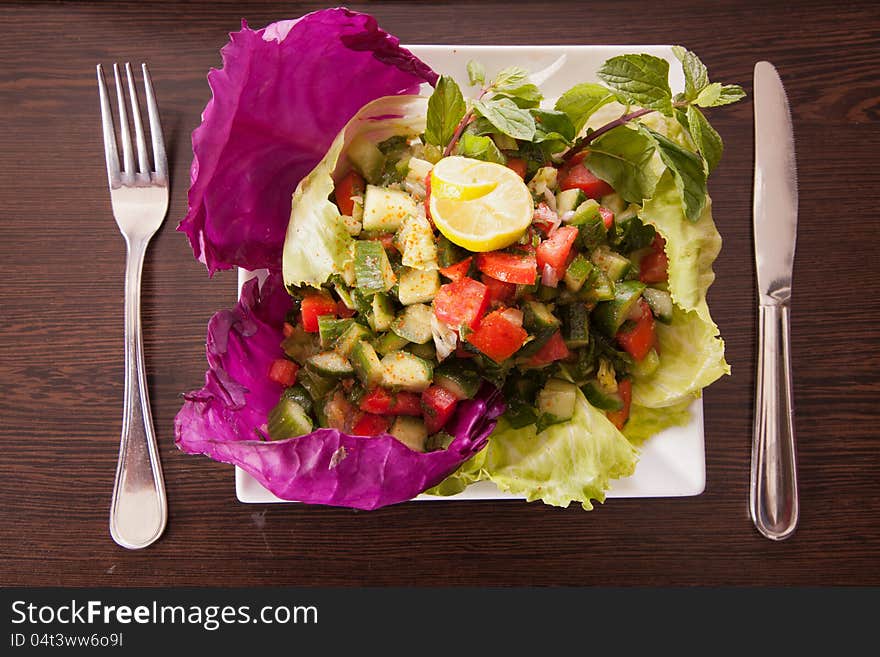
(110, 153)
(143, 159)
(159, 156)
(124, 133)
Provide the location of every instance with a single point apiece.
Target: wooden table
(61, 322)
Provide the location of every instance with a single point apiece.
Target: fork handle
(774, 492)
(138, 511)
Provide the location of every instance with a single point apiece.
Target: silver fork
(139, 196)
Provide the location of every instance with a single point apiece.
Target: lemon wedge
(481, 206)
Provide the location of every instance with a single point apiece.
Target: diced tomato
(461, 303)
(344, 311)
(371, 425)
(607, 216)
(518, 165)
(654, 266)
(499, 292)
(575, 175)
(509, 267)
(619, 418)
(283, 371)
(553, 350)
(438, 405)
(313, 306)
(555, 249)
(382, 401)
(458, 270)
(352, 184)
(288, 329)
(639, 339)
(497, 337)
(387, 240)
(545, 218)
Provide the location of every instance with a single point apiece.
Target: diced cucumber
(648, 365)
(448, 253)
(546, 293)
(556, 402)
(330, 363)
(590, 224)
(389, 342)
(288, 420)
(584, 212)
(601, 397)
(613, 264)
(519, 414)
(613, 202)
(414, 324)
(382, 314)
(415, 241)
(300, 345)
(599, 287)
(316, 385)
(373, 272)
(576, 325)
(608, 316)
(418, 170)
(457, 378)
(344, 295)
(533, 346)
(300, 395)
(352, 225)
(568, 200)
(577, 272)
(537, 316)
(426, 351)
(417, 286)
(366, 157)
(660, 303)
(410, 431)
(366, 364)
(330, 328)
(439, 440)
(385, 209)
(544, 178)
(404, 371)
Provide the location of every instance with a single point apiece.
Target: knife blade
(773, 488)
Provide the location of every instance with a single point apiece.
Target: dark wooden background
(61, 320)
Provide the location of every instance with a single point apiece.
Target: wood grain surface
(61, 320)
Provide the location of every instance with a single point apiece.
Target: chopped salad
(447, 253)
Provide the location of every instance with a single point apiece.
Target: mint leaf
(479, 148)
(581, 101)
(730, 93)
(510, 77)
(688, 170)
(476, 73)
(507, 118)
(696, 77)
(641, 80)
(446, 107)
(707, 140)
(553, 125)
(525, 95)
(709, 95)
(622, 158)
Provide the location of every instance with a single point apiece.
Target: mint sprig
(625, 152)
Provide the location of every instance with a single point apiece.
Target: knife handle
(774, 494)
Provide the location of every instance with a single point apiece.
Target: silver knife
(774, 489)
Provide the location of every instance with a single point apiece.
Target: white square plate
(672, 463)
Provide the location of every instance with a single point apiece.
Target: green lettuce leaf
(647, 422)
(574, 461)
(317, 243)
(692, 351)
